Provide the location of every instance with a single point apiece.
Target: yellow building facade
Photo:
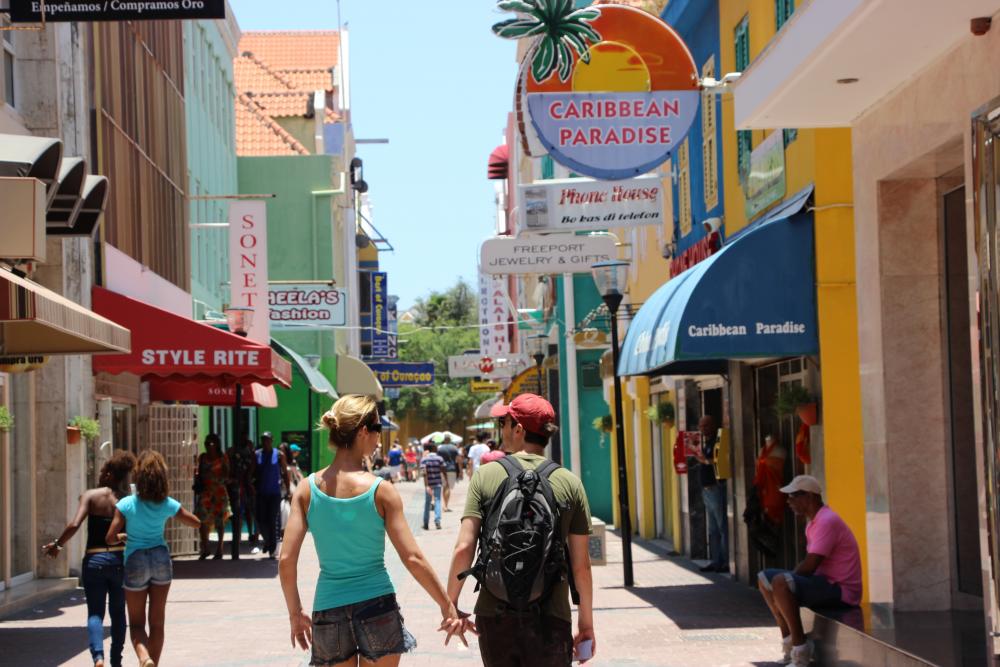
(817, 158)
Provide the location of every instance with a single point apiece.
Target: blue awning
(754, 298)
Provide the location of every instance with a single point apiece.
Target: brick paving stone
(224, 613)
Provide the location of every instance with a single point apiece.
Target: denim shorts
(373, 628)
(810, 591)
(148, 566)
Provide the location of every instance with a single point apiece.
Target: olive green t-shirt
(568, 492)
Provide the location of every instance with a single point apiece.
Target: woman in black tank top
(103, 568)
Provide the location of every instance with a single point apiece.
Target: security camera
(712, 225)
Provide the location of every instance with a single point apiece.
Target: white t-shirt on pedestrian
(476, 453)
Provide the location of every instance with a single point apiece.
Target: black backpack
(522, 554)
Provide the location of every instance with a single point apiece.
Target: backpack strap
(545, 471)
(511, 465)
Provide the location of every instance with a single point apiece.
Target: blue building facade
(697, 163)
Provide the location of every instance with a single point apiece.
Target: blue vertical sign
(393, 327)
(380, 316)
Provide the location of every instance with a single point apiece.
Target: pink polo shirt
(827, 535)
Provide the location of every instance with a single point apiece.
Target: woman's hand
(454, 622)
(302, 629)
(52, 550)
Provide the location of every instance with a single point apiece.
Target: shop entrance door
(770, 379)
(986, 171)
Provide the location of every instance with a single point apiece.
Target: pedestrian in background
(242, 464)
(148, 570)
(212, 504)
(494, 453)
(103, 568)
(272, 473)
(349, 513)
(434, 480)
(449, 453)
(396, 461)
(412, 463)
(476, 453)
(713, 491)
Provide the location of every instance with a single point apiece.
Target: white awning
(354, 377)
(483, 410)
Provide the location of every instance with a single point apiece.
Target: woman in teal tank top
(349, 512)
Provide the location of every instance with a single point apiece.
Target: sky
(435, 82)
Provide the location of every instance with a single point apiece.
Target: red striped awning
(171, 347)
(499, 163)
(254, 395)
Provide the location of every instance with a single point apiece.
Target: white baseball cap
(806, 483)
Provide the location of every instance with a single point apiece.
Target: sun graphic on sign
(613, 68)
(609, 90)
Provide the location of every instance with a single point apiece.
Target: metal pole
(626, 518)
(238, 443)
(538, 370)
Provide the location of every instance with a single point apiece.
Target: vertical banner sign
(393, 327)
(493, 316)
(248, 264)
(380, 316)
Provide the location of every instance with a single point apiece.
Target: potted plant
(796, 399)
(6, 419)
(81, 426)
(604, 424)
(661, 413)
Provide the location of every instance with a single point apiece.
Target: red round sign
(486, 365)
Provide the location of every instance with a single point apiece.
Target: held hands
(584, 634)
(302, 629)
(455, 622)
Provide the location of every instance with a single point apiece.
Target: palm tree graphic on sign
(561, 29)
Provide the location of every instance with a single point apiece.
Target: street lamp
(537, 345)
(610, 278)
(239, 319)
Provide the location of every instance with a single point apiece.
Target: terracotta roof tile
(257, 134)
(254, 74)
(293, 49)
(275, 75)
(312, 79)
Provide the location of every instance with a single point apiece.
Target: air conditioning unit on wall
(22, 219)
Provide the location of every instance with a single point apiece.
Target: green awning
(317, 381)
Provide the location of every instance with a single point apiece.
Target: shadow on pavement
(706, 606)
(51, 608)
(43, 646)
(244, 568)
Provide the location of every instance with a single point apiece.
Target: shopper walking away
(449, 453)
(212, 504)
(830, 575)
(148, 570)
(349, 513)
(476, 453)
(103, 568)
(396, 461)
(412, 467)
(434, 479)
(242, 467)
(272, 472)
(494, 454)
(528, 509)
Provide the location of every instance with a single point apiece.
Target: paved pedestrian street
(223, 613)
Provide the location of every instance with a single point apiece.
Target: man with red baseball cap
(544, 635)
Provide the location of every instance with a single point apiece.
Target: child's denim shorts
(148, 566)
(373, 628)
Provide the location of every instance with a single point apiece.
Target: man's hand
(455, 622)
(583, 634)
(302, 629)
